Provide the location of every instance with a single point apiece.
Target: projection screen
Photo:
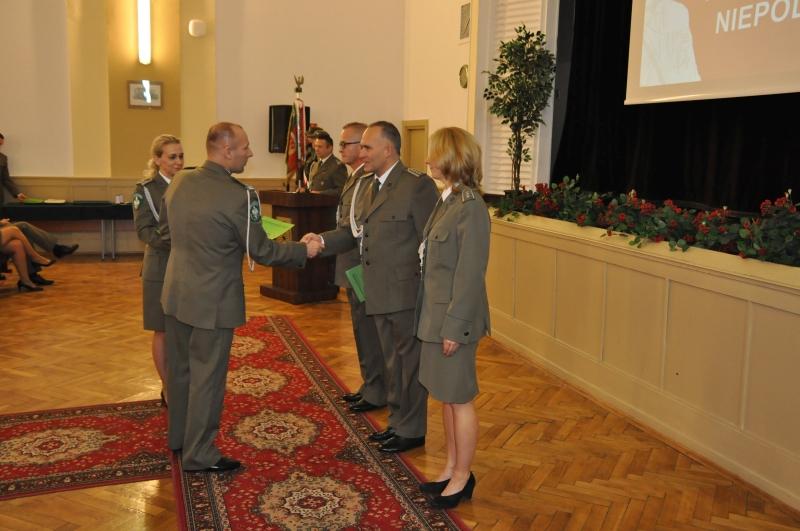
(702, 49)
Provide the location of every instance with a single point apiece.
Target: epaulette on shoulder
(415, 172)
(145, 181)
(467, 194)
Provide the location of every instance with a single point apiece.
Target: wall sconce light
(197, 27)
(143, 29)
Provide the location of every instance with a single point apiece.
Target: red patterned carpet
(63, 449)
(307, 461)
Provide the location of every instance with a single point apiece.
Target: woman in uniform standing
(166, 159)
(453, 310)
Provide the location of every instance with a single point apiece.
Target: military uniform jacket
(392, 231)
(145, 219)
(453, 303)
(330, 177)
(352, 258)
(207, 216)
(5, 180)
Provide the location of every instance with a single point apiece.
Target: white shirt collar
(382, 178)
(356, 169)
(446, 193)
(322, 161)
(169, 180)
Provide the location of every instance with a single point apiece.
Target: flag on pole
(296, 144)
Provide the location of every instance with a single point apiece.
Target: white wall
(433, 56)
(34, 88)
(349, 51)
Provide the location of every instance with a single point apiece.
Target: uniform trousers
(406, 397)
(368, 347)
(197, 367)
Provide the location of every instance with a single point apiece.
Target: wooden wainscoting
(701, 346)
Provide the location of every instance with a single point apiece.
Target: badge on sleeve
(137, 200)
(255, 210)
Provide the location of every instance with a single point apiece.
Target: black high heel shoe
(434, 487)
(448, 502)
(21, 286)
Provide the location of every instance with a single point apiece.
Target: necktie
(376, 186)
(314, 169)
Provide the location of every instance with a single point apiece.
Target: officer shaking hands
(211, 220)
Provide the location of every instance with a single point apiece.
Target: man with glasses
(372, 393)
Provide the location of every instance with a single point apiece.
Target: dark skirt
(449, 379)
(152, 313)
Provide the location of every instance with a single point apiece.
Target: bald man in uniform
(211, 220)
(392, 217)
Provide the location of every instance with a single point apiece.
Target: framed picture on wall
(145, 94)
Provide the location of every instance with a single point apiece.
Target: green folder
(274, 227)
(32, 201)
(356, 277)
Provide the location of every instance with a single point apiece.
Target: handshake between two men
(314, 244)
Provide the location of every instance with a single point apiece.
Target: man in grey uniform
(392, 217)
(372, 393)
(327, 173)
(211, 220)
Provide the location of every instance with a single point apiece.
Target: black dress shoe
(380, 436)
(36, 278)
(448, 502)
(351, 397)
(434, 487)
(21, 286)
(401, 444)
(223, 465)
(60, 251)
(362, 406)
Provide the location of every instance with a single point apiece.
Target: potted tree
(519, 90)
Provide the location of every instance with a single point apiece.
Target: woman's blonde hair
(156, 150)
(456, 153)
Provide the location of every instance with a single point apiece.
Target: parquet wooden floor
(548, 457)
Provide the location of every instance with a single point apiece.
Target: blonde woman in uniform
(166, 159)
(453, 311)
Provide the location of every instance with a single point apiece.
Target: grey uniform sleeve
(145, 220)
(163, 240)
(469, 288)
(247, 221)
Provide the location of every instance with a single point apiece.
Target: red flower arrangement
(774, 236)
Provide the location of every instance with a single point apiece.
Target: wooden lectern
(309, 212)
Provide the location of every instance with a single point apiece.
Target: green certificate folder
(32, 201)
(356, 277)
(274, 227)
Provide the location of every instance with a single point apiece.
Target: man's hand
(449, 347)
(313, 247)
(4, 221)
(311, 237)
(21, 196)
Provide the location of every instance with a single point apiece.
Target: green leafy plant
(775, 236)
(519, 90)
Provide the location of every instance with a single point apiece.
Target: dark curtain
(733, 152)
